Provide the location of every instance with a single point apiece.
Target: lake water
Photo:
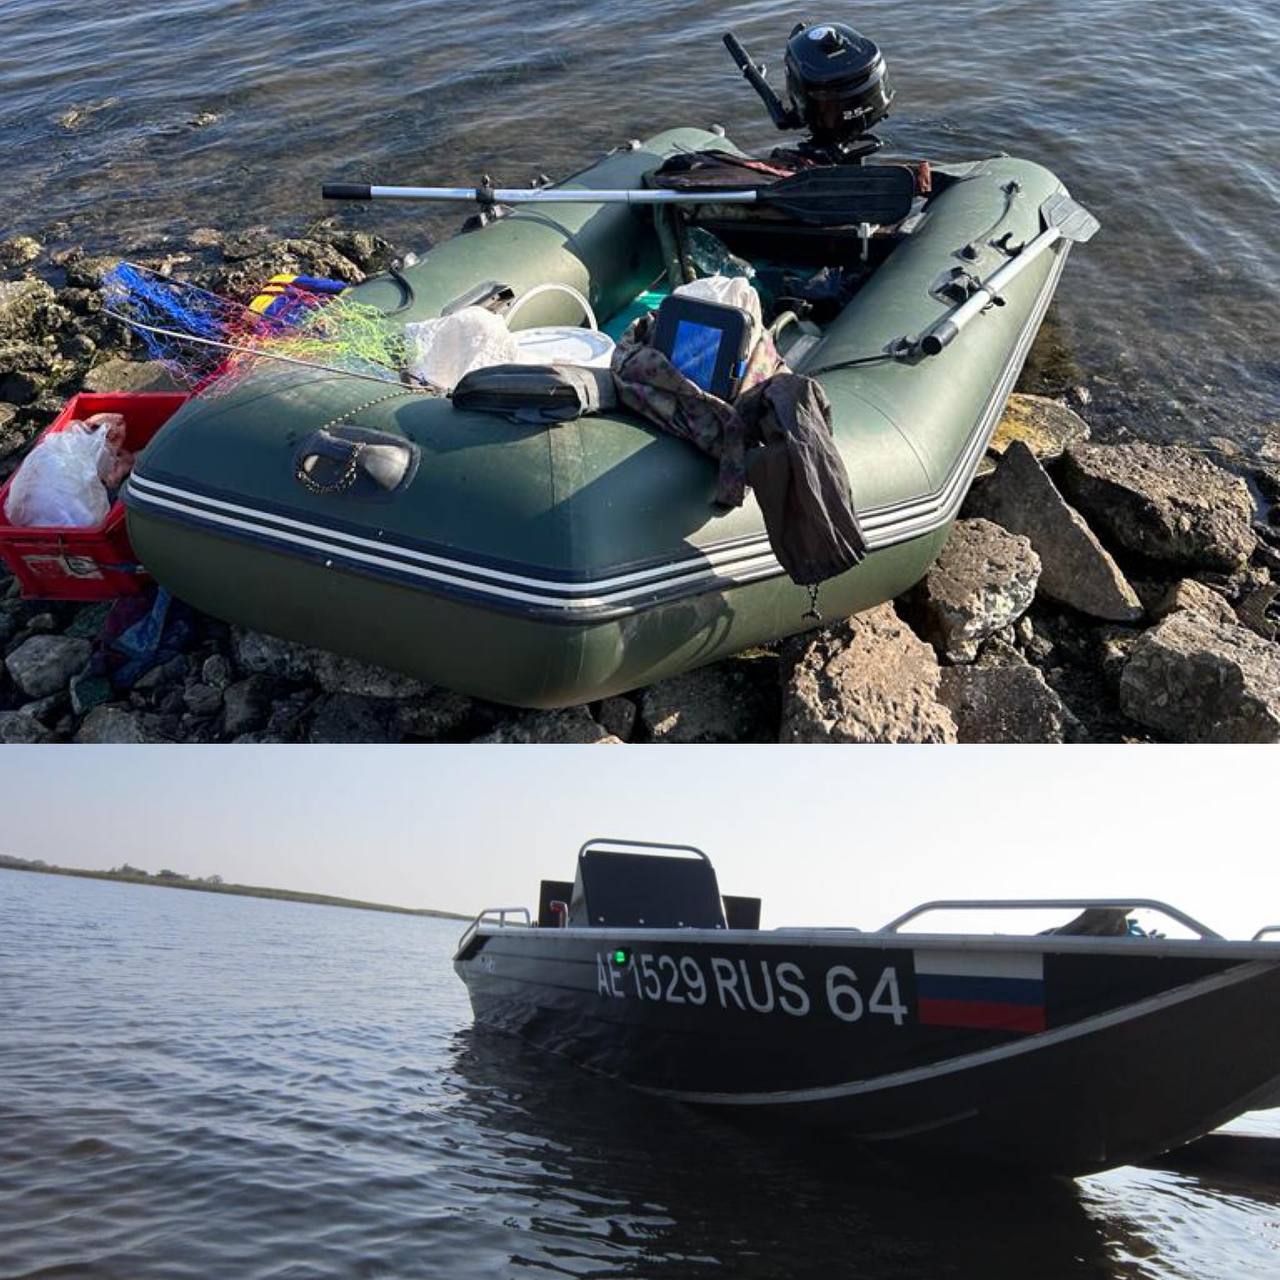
(201, 1086)
(126, 118)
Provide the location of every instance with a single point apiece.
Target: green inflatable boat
(549, 565)
(552, 565)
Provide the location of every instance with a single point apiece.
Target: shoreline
(236, 890)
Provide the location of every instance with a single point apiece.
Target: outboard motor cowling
(838, 83)
(837, 86)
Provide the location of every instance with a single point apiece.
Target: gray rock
(89, 691)
(1190, 594)
(1194, 679)
(115, 374)
(1075, 568)
(438, 716)
(246, 704)
(216, 670)
(618, 717)
(983, 581)
(259, 654)
(571, 725)
(44, 664)
(337, 674)
(113, 724)
(869, 679)
(347, 717)
(1163, 502)
(19, 727)
(724, 702)
(1009, 702)
(163, 675)
(25, 307)
(19, 251)
(1045, 427)
(202, 699)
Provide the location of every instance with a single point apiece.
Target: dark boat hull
(1134, 1047)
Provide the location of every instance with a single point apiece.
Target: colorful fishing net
(210, 343)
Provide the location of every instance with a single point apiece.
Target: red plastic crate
(95, 562)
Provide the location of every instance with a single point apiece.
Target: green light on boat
(621, 956)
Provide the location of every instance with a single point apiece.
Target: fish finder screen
(694, 351)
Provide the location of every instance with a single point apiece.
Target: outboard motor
(838, 89)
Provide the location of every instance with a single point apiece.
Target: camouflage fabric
(650, 385)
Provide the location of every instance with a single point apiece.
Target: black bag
(536, 393)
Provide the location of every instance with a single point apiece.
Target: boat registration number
(751, 986)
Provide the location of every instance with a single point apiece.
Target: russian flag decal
(994, 990)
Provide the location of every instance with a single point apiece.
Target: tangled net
(210, 343)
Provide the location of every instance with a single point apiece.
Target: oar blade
(1073, 221)
(843, 195)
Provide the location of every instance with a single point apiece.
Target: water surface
(129, 119)
(195, 1086)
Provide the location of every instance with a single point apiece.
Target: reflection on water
(147, 118)
(205, 1086)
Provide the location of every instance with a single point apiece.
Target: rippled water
(127, 118)
(201, 1086)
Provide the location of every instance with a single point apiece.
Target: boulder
(1195, 679)
(347, 717)
(246, 704)
(337, 674)
(1259, 610)
(1075, 568)
(438, 716)
(1005, 702)
(256, 653)
(113, 724)
(202, 700)
(869, 679)
(983, 581)
(571, 725)
(19, 727)
(19, 251)
(1044, 426)
(1162, 502)
(725, 702)
(618, 717)
(25, 307)
(115, 374)
(44, 664)
(1190, 594)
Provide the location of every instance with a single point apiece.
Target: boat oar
(830, 195)
(1064, 219)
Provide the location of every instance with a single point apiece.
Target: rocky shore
(1090, 592)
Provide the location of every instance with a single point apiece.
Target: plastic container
(94, 563)
(562, 344)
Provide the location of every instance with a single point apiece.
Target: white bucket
(564, 344)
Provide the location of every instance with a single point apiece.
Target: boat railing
(1037, 904)
(1262, 933)
(499, 914)
(608, 842)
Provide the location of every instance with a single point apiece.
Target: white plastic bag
(729, 291)
(441, 351)
(58, 482)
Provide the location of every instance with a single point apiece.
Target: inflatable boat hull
(548, 566)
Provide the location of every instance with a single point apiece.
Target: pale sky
(825, 835)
